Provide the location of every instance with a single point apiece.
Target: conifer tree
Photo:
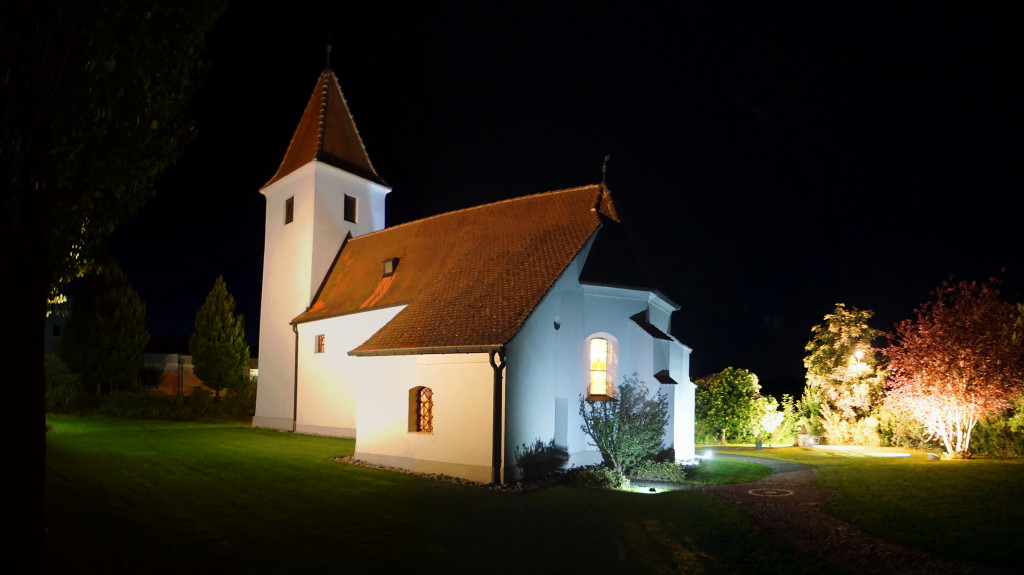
(105, 335)
(219, 351)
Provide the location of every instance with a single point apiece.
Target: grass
(127, 496)
(967, 509)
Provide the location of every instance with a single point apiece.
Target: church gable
(470, 278)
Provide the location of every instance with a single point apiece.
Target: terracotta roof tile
(327, 133)
(470, 278)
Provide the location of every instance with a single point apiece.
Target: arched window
(601, 364)
(421, 410)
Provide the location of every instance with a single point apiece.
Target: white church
(447, 344)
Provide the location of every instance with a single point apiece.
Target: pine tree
(105, 335)
(219, 351)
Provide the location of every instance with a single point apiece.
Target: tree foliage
(105, 335)
(629, 429)
(93, 99)
(845, 382)
(727, 402)
(959, 360)
(94, 108)
(219, 351)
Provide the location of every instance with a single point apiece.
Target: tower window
(319, 344)
(289, 210)
(350, 209)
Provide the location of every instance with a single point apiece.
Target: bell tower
(324, 191)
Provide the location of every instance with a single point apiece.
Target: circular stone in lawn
(770, 492)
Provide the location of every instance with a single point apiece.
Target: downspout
(295, 382)
(181, 375)
(496, 439)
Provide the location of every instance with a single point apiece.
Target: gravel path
(787, 502)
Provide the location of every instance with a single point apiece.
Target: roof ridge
(471, 208)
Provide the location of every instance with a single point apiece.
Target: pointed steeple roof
(327, 133)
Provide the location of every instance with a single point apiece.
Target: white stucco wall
(460, 444)
(287, 285)
(368, 398)
(327, 401)
(296, 258)
(548, 366)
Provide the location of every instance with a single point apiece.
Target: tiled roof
(328, 134)
(470, 278)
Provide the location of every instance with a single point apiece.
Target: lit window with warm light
(421, 410)
(600, 358)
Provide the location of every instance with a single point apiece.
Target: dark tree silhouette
(219, 352)
(93, 99)
(105, 335)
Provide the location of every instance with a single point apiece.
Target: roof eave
(488, 348)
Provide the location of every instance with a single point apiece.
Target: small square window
(289, 210)
(350, 209)
(319, 344)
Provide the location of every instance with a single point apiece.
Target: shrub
(128, 405)
(63, 388)
(540, 460)
(897, 428)
(596, 477)
(627, 430)
(667, 471)
(1002, 435)
(240, 401)
(196, 407)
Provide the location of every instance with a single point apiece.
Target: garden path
(787, 502)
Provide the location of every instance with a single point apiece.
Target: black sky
(774, 159)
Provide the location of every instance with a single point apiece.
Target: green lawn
(128, 496)
(969, 509)
(150, 497)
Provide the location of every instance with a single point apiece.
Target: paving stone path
(787, 502)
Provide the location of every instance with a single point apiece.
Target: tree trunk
(23, 291)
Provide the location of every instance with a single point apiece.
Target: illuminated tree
(629, 429)
(727, 403)
(105, 335)
(959, 360)
(844, 381)
(219, 352)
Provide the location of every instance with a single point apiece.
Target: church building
(456, 343)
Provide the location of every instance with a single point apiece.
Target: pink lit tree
(959, 360)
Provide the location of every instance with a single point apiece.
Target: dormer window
(389, 266)
(351, 206)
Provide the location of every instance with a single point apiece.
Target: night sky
(772, 159)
